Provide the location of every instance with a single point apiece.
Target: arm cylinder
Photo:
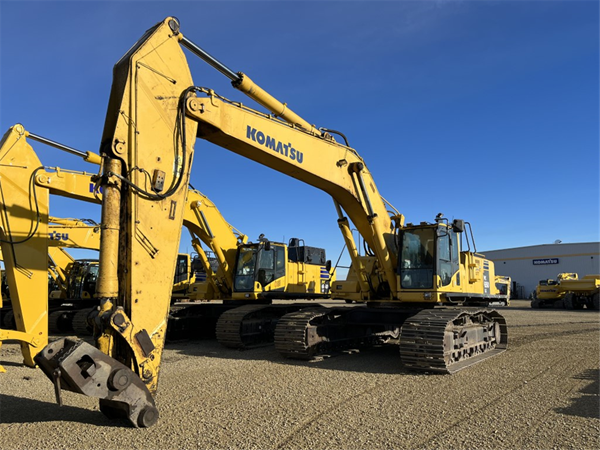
(87, 156)
(199, 52)
(243, 83)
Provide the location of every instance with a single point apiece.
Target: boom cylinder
(352, 250)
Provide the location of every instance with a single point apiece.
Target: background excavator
(153, 116)
(25, 185)
(70, 305)
(243, 273)
(568, 291)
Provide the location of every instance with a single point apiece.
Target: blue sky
(485, 111)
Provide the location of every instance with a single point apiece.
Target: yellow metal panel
(24, 231)
(307, 157)
(141, 129)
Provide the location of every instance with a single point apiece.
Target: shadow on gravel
(10, 363)
(381, 359)
(25, 410)
(587, 404)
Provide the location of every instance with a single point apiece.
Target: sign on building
(543, 262)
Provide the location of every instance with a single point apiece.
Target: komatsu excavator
(409, 268)
(249, 274)
(568, 291)
(548, 293)
(154, 114)
(25, 186)
(70, 305)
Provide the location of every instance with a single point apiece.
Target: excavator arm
(147, 150)
(313, 159)
(205, 223)
(73, 233)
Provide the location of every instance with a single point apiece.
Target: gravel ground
(543, 393)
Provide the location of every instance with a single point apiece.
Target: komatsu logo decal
(93, 188)
(275, 145)
(54, 236)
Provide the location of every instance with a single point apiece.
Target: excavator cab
(260, 267)
(182, 270)
(82, 279)
(267, 269)
(429, 252)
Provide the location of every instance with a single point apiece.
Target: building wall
(550, 260)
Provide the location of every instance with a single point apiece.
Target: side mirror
(328, 265)
(458, 225)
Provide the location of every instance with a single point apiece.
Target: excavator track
(8, 320)
(449, 340)
(252, 325)
(80, 324)
(312, 331)
(292, 336)
(443, 340)
(196, 321)
(59, 322)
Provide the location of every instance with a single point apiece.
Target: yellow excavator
(414, 278)
(25, 186)
(568, 291)
(548, 293)
(244, 273)
(408, 269)
(69, 306)
(248, 274)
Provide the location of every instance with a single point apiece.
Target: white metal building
(527, 265)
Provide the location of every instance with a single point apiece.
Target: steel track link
(291, 334)
(449, 340)
(229, 329)
(80, 324)
(58, 322)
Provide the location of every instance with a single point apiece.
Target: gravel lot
(542, 393)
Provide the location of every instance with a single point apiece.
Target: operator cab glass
(89, 280)
(181, 269)
(256, 263)
(427, 252)
(416, 259)
(82, 279)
